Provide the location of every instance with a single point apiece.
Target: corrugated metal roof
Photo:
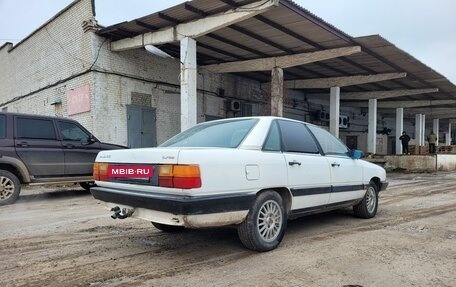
(290, 29)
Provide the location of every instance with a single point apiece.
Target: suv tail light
(169, 175)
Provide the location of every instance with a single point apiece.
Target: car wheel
(367, 208)
(166, 227)
(265, 224)
(10, 187)
(87, 185)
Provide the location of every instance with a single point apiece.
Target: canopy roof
(290, 29)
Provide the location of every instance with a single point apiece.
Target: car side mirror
(356, 154)
(89, 140)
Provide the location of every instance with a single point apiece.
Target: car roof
(36, 116)
(269, 118)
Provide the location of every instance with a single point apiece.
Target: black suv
(41, 149)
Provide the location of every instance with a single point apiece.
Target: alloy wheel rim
(370, 199)
(6, 188)
(269, 221)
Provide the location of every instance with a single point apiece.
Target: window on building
(35, 129)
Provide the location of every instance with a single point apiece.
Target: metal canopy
(290, 29)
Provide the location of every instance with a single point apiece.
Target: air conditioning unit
(324, 116)
(344, 122)
(235, 105)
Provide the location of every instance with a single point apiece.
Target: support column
(188, 83)
(435, 129)
(372, 129)
(418, 130)
(277, 92)
(448, 135)
(334, 111)
(423, 129)
(399, 128)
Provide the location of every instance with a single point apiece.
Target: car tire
(166, 227)
(367, 208)
(10, 187)
(264, 227)
(87, 185)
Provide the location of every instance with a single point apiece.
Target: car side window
(72, 132)
(297, 138)
(272, 142)
(2, 126)
(28, 128)
(329, 143)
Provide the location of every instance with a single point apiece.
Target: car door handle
(294, 162)
(335, 164)
(68, 145)
(22, 144)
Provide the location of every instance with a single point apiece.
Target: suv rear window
(2, 126)
(35, 129)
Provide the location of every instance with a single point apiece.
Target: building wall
(43, 67)
(123, 75)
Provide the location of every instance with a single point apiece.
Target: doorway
(141, 126)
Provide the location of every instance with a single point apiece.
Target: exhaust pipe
(121, 213)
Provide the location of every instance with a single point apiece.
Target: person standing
(432, 140)
(404, 138)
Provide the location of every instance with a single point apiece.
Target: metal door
(141, 127)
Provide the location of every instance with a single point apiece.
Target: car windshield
(228, 134)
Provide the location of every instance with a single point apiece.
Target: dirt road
(63, 237)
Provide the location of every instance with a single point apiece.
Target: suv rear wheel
(10, 187)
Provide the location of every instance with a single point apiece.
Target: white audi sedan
(253, 173)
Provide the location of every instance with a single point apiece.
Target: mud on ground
(61, 236)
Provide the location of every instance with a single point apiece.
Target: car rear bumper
(175, 204)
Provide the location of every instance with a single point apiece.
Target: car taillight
(169, 175)
(100, 171)
(179, 176)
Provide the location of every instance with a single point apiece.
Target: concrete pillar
(372, 129)
(435, 129)
(423, 129)
(418, 129)
(448, 135)
(277, 92)
(399, 128)
(334, 111)
(188, 83)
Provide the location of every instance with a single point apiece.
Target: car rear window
(228, 134)
(296, 138)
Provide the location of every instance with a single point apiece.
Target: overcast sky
(426, 29)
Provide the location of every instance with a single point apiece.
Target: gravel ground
(61, 236)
